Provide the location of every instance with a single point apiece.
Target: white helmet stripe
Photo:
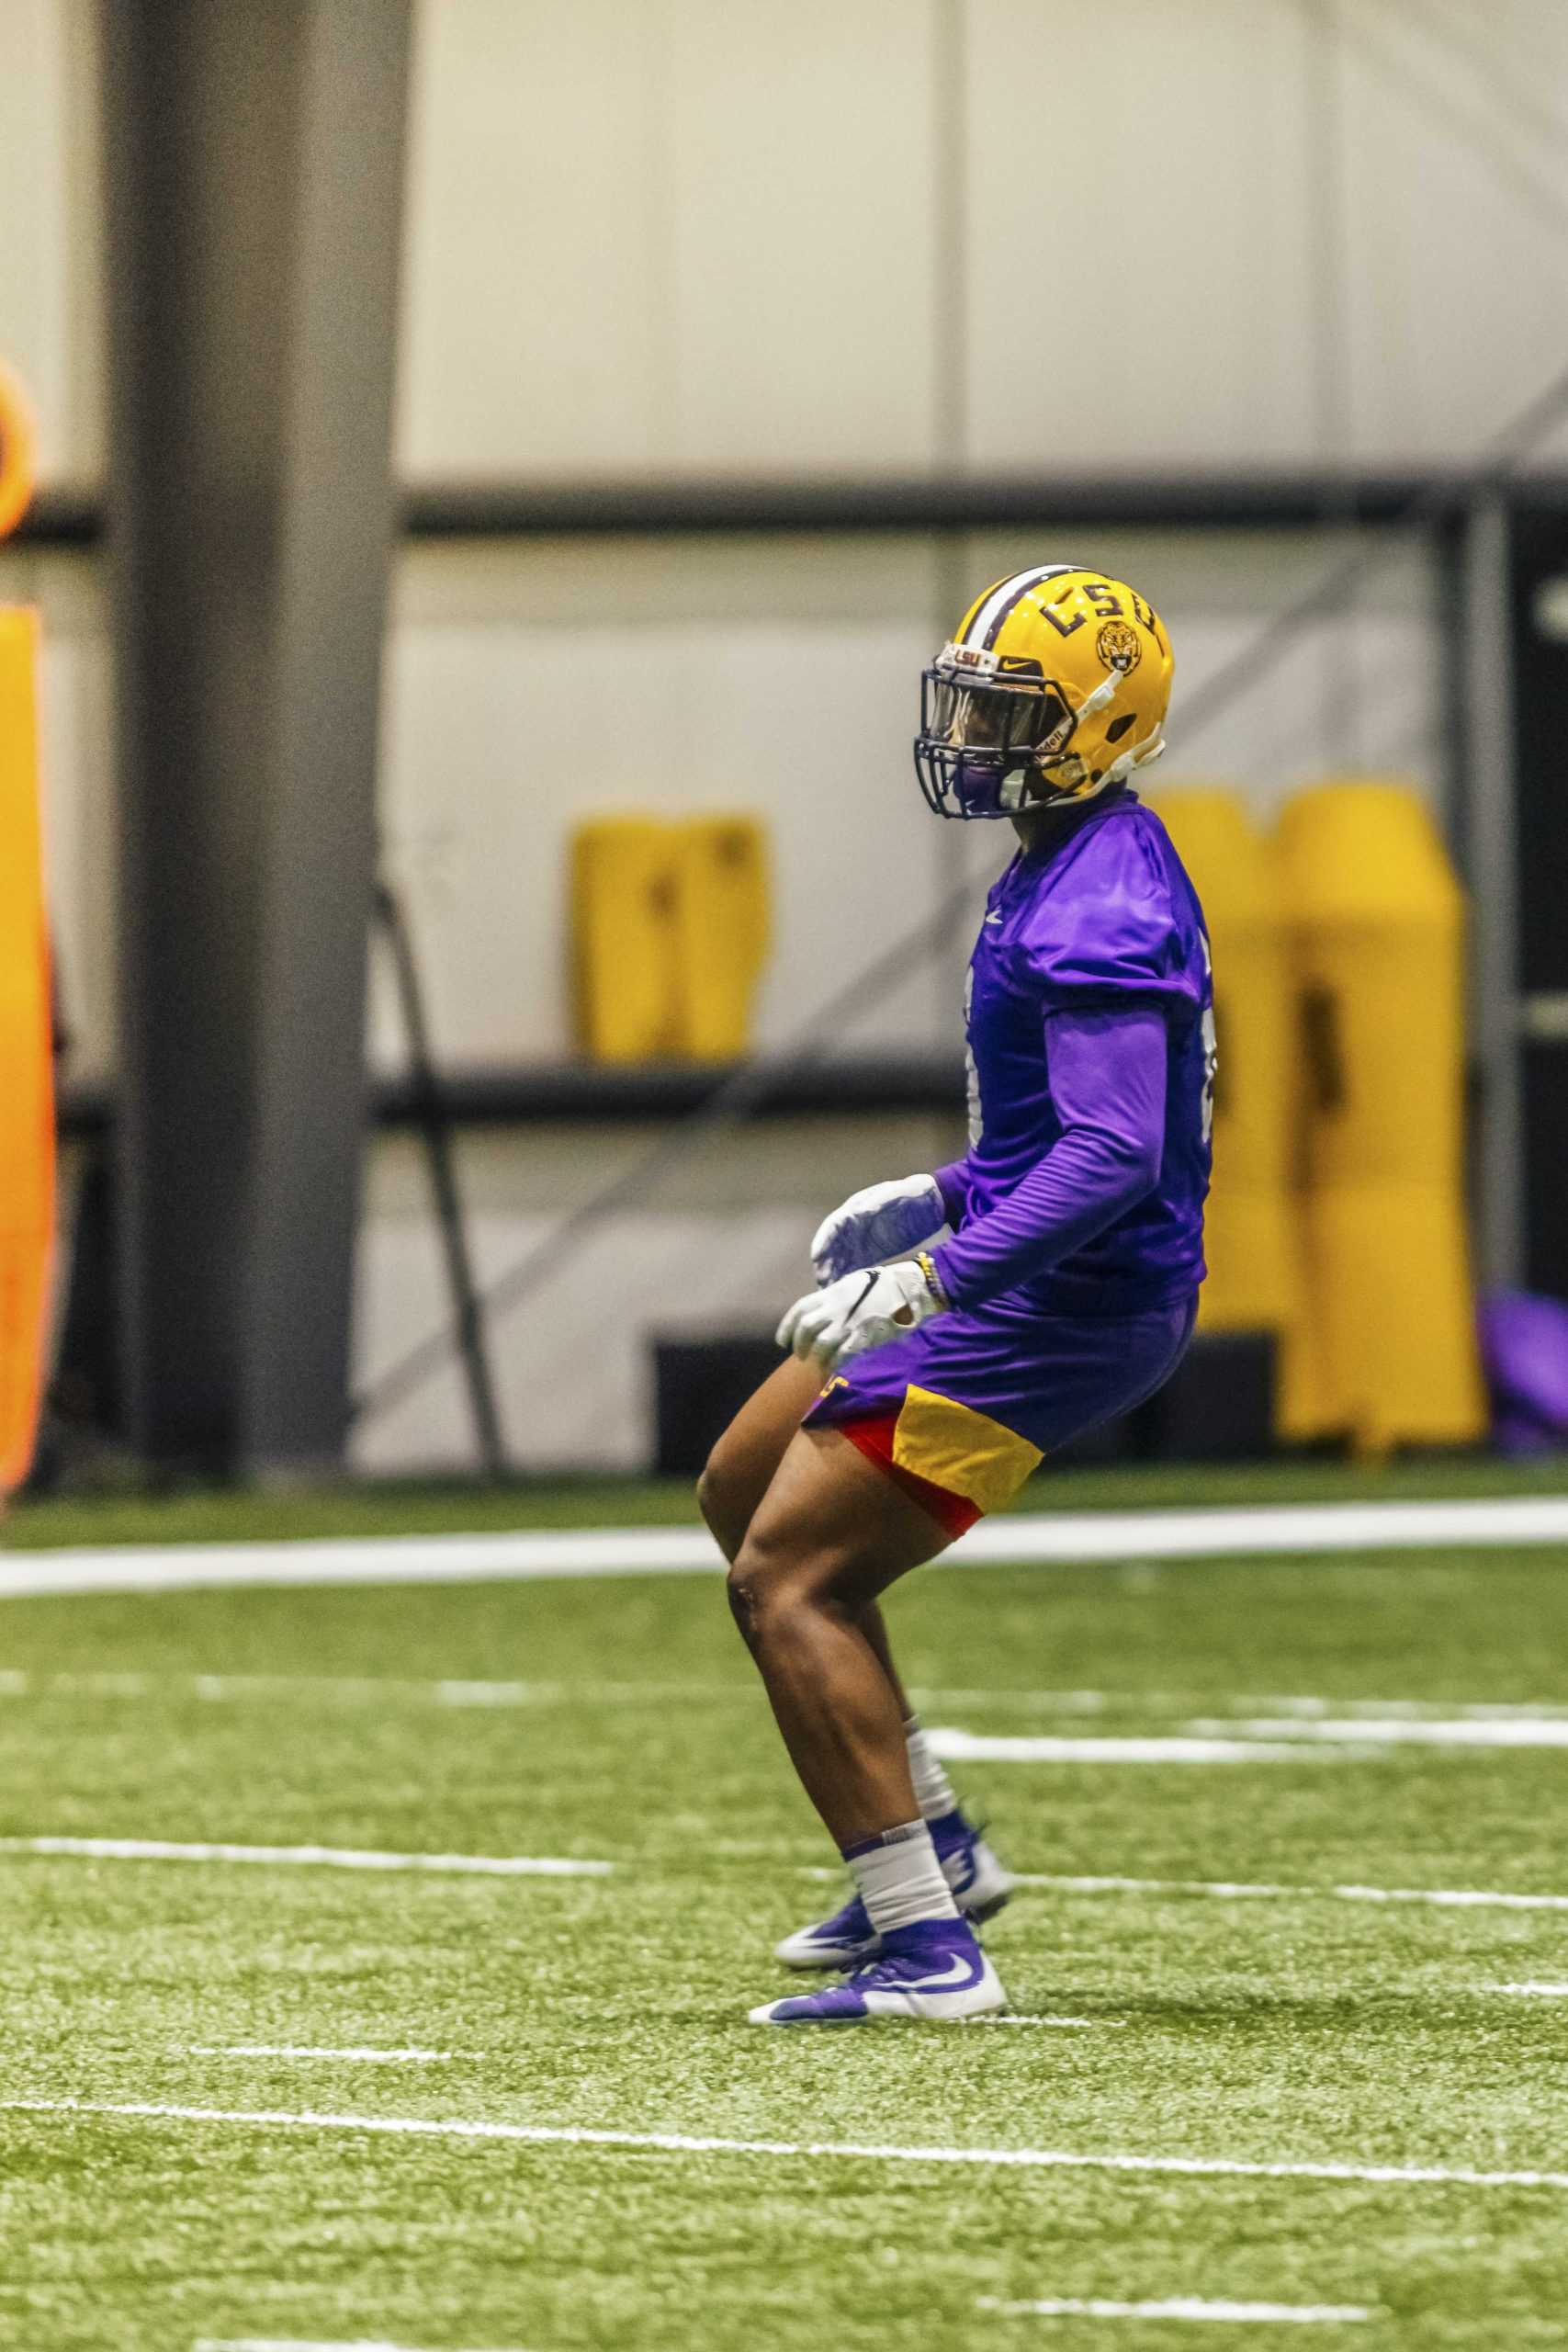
(1002, 599)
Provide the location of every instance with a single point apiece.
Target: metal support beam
(1490, 862)
(256, 171)
(1537, 588)
(953, 503)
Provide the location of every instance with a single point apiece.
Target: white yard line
(1238, 1891)
(1241, 1708)
(370, 2056)
(1052, 1702)
(981, 1747)
(1415, 1711)
(683, 2143)
(295, 2344)
(391, 1559)
(1175, 2307)
(330, 1858)
(1051, 1538)
(1300, 1720)
(1400, 1731)
(1087, 2023)
(1240, 1533)
(1260, 1729)
(1533, 1992)
(361, 1689)
(1221, 1739)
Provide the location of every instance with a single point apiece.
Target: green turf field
(202, 1516)
(617, 1722)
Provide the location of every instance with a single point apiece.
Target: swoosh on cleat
(964, 1975)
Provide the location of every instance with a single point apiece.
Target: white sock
(933, 1790)
(901, 1878)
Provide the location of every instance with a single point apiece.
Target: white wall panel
(50, 230)
(531, 686)
(527, 688)
(682, 233)
(1138, 183)
(679, 235)
(574, 1392)
(803, 212)
(721, 1243)
(1456, 262)
(537, 288)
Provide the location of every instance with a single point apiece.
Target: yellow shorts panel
(965, 1452)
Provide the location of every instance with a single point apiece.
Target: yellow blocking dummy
(670, 932)
(26, 1092)
(1251, 1229)
(721, 933)
(623, 913)
(1379, 935)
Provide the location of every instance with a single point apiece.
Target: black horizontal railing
(61, 518)
(687, 507)
(899, 502)
(568, 1092)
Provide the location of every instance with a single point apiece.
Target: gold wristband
(927, 1265)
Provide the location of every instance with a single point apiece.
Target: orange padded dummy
(27, 1075)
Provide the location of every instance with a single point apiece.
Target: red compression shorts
(873, 1436)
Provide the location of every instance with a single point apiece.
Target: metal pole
(254, 188)
(435, 1127)
(1491, 865)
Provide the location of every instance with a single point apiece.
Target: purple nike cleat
(933, 1970)
(980, 1886)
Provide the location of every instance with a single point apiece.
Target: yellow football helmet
(1055, 687)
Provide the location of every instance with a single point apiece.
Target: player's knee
(777, 1585)
(723, 1501)
(761, 1592)
(740, 1591)
(753, 1598)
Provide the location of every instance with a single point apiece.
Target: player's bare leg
(832, 1533)
(740, 1470)
(741, 1466)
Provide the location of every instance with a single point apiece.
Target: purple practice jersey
(1091, 1039)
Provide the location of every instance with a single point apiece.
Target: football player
(928, 1376)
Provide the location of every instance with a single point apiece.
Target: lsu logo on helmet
(1054, 686)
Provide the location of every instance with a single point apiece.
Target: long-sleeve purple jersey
(1092, 1066)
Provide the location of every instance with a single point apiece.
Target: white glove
(860, 1311)
(877, 1223)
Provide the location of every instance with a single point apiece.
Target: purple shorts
(979, 1397)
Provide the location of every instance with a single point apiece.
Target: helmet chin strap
(1137, 756)
(1011, 795)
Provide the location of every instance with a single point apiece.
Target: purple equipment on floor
(1524, 1349)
